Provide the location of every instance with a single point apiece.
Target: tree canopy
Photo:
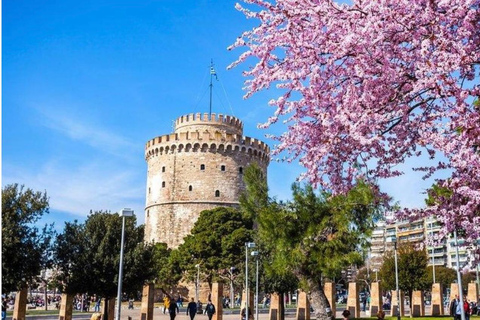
(26, 249)
(364, 85)
(216, 243)
(412, 269)
(88, 256)
(314, 235)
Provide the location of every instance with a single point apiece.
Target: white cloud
(92, 132)
(92, 185)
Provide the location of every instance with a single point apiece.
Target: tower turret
(198, 167)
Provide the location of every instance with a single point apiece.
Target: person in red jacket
(466, 308)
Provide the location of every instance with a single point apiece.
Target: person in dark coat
(192, 309)
(210, 309)
(172, 310)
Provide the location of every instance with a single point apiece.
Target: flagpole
(212, 71)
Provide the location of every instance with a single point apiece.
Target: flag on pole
(213, 72)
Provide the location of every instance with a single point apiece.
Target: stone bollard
(217, 300)
(276, 307)
(20, 308)
(353, 304)
(66, 307)
(375, 299)
(329, 290)
(394, 306)
(417, 307)
(146, 311)
(303, 307)
(437, 300)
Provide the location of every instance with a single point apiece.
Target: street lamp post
(255, 254)
(232, 296)
(393, 239)
(124, 213)
(197, 282)
(459, 277)
(247, 245)
(433, 253)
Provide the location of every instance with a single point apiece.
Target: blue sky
(85, 84)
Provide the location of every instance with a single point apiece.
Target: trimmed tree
(412, 269)
(216, 243)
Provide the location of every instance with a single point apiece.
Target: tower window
(148, 213)
(202, 167)
(217, 193)
(163, 169)
(240, 170)
(222, 167)
(148, 189)
(163, 184)
(190, 188)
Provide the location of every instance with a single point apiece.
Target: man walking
(192, 309)
(210, 309)
(455, 309)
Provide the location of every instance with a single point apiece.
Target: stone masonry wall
(195, 171)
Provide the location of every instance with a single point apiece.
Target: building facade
(197, 167)
(423, 233)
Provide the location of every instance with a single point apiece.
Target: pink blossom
(379, 82)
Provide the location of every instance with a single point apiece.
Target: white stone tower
(198, 167)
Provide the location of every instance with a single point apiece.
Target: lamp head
(126, 212)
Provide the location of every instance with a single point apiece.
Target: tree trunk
(410, 298)
(45, 297)
(282, 305)
(319, 301)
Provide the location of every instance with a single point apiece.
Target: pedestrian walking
(166, 304)
(466, 308)
(172, 310)
(455, 310)
(192, 309)
(210, 309)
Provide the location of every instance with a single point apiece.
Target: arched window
(222, 167)
(240, 170)
(163, 184)
(190, 188)
(148, 213)
(163, 169)
(217, 193)
(202, 167)
(149, 190)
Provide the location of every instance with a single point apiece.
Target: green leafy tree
(168, 266)
(26, 249)
(70, 256)
(256, 203)
(315, 236)
(443, 275)
(88, 256)
(412, 269)
(215, 243)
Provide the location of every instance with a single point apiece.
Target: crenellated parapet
(206, 142)
(193, 121)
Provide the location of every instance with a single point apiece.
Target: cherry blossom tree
(364, 85)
